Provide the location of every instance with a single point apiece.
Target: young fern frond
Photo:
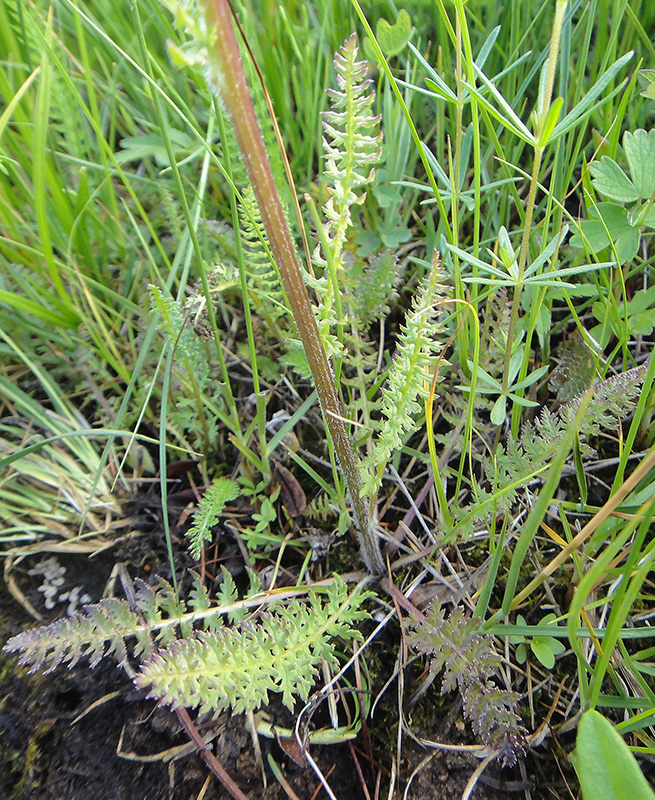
(102, 629)
(352, 144)
(211, 504)
(409, 377)
(369, 293)
(263, 279)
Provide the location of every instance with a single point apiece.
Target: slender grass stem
(542, 113)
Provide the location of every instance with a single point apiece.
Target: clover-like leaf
(616, 223)
(608, 223)
(611, 181)
(642, 215)
(647, 80)
(544, 648)
(640, 313)
(639, 149)
(393, 38)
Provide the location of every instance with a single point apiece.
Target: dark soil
(85, 734)
(119, 749)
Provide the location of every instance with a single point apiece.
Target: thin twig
(207, 756)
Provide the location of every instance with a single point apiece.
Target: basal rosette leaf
(459, 648)
(98, 632)
(409, 375)
(238, 667)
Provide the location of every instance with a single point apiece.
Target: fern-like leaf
(100, 631)
(468, 661)
(261, 272)
(375, 288)
(612, 400)
(215, 668)
(222, 278)
(409, 375)
(103, 629)
(352, 145)
(214, 500)
(238, 667)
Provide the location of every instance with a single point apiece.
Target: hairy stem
(230, 79)
(542, 115)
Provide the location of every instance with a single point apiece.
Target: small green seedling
(262, 538)
(544, 648)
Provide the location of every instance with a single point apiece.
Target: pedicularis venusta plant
(485, 286)
(218, 48)
(352, 145)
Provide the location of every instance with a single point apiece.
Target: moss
(36, 751)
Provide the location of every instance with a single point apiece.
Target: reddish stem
(207, 756)
(236, 98)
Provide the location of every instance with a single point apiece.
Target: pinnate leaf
(212, 503)
(238, 667)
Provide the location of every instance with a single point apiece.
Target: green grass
(119, 172)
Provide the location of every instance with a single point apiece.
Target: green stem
(229, 77)
(523, 257)
(260, 399)
(541, 117)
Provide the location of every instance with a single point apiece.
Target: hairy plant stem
(523, 257)
(539, 146)
(229, 77)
